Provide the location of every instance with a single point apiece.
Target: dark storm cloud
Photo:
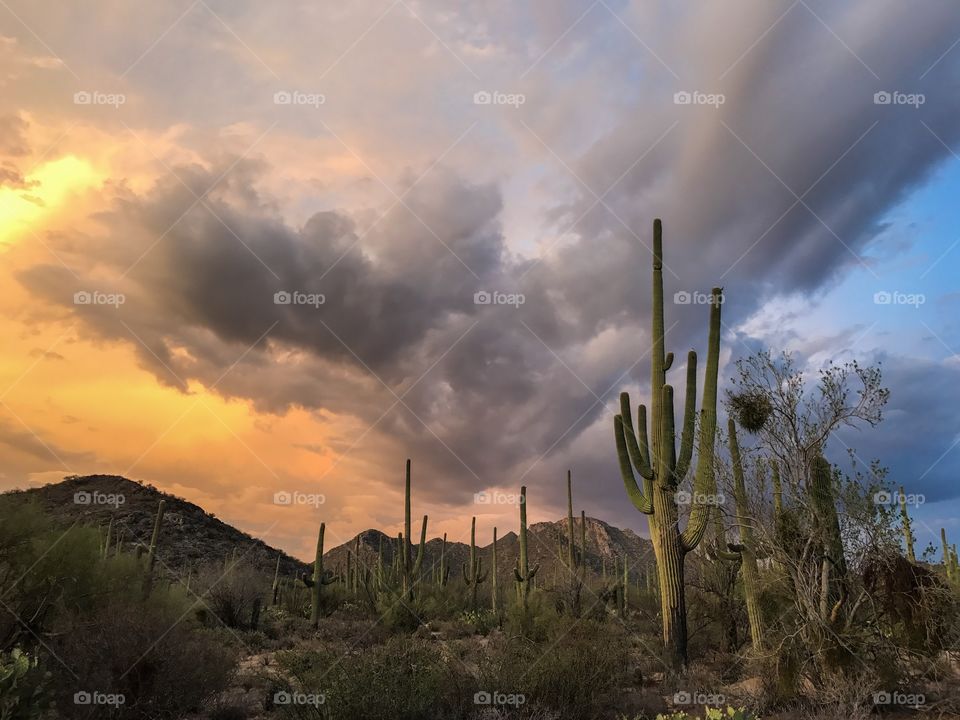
(919, 440)
(506, 386)
(799, 120)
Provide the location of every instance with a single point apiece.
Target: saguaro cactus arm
(623, 432)
(689, 420)
(704, 483)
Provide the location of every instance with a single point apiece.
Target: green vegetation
(662, 469)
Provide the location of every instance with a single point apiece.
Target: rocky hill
(546, 541)
(192, 536)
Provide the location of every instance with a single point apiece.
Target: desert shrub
(87, 618)
(536, 621)
(447, 602)
(294, 598)
(234, 596)
(45, 572)
(397, 613)
(575, 672)
(730, 713)
(150, 653)
(403, 679)
(24, 691)
(479, 621)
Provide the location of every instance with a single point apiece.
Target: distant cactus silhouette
(410, 568)
(522, 572)
(443, 573)
(275, 588)
(574, 561)
(154, 544)
(659, 465)
(494, 600)
(320, 578)
(473, 575)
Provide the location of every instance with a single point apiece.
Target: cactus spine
(473, 575)
(320, 578)
(154, 543)
(522, 572)
(907, 531)
(747, 547)
(658, 464)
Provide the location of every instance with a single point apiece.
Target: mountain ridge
(193, 536)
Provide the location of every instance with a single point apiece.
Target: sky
(255, 252)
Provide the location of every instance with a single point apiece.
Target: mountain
(191, 536)
(545, 543)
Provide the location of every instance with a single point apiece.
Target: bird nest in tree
(752, 410)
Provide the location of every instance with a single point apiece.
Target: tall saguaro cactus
(522, 572)
(473, 575)
(410, 568)
(443, 574)
(574, 562)
(494, 600)
(320, 578)
(747, 547)
(662, 469)
(154, 544)
(907, 530)
(275, 587)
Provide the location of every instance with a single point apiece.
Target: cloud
(777, 190)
